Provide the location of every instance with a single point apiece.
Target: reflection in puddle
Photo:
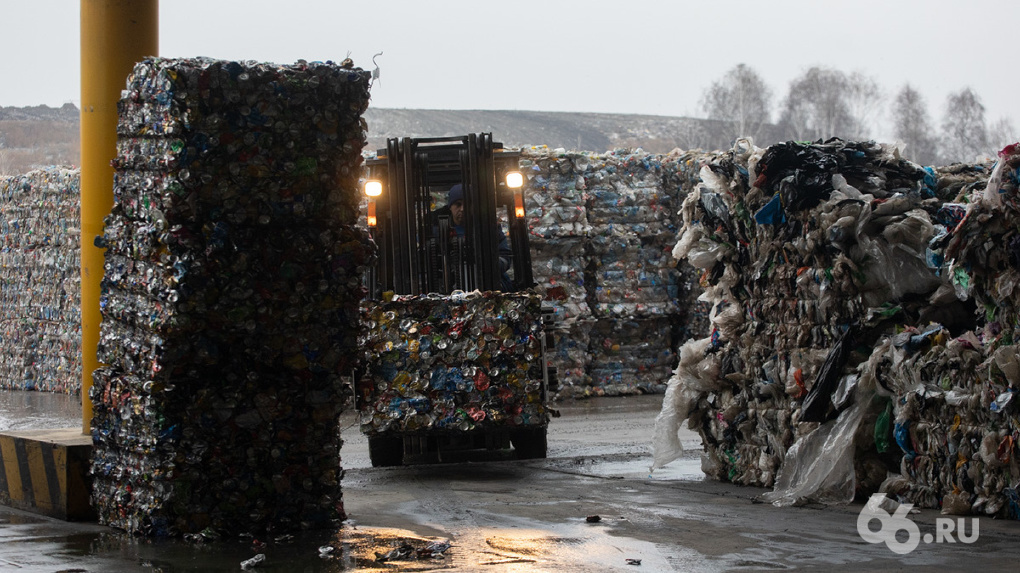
(29, 410)
(686, 468)
(523, 549)
(519, 545)
(386, 549)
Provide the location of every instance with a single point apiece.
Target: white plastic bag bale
(819, 467)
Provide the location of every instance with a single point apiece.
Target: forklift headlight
(373, 188)
(514, 179)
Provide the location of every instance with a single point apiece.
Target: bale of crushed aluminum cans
(799, 245)
(230, 297)
(40, 274)
(453, 363)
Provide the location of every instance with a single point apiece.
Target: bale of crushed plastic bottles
(40, 271)
(602, 226)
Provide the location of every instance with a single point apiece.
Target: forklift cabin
(407, 183)
(418, 253)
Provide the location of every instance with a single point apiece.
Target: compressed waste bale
(796, 243)
(953, 416)
(602, 227)
(40, 276)
(681, 175)
(454, 363)
(230, 297)
(956, 181)
(631, 357)
(951, 419)
(631, 236)
(556, 196)
(559, 267)
(635, 275)
(571, 355)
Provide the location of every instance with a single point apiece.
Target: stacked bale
(954, 413)
(632, 232)
(796, 243)
(230, 297)
(556, 203)
(452, 363)
(631, 356)
(40, 276)
(602, 227)
(635, 286)
(681, 175)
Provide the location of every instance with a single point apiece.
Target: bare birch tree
(964, 134)
(817, 107)
(864, 102)
(1002, 133)
(742, 99)
(912, 126)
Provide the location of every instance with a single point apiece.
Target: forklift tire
(385, 451)
(529, 444)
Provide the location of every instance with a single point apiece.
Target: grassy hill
(579, 131)
(31, 137)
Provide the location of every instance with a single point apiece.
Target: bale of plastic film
(807, 254)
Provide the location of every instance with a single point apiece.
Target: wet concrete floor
(510, 516)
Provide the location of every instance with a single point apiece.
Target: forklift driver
(454, 209)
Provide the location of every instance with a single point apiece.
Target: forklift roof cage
(413, 257)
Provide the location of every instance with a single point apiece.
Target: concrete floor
(532, 515)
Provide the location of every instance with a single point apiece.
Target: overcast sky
(592, 56)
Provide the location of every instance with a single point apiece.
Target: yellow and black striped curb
(46, 472)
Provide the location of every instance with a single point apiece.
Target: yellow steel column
(115, 34)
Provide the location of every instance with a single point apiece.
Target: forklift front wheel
(529, 443)
(385, 451)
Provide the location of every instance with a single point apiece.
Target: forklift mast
(417, 252)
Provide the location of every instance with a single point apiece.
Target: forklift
(423, 250)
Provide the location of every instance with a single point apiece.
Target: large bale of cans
(452, 363)
(230, 297)
(40, 281)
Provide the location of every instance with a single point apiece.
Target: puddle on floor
(687, 468)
